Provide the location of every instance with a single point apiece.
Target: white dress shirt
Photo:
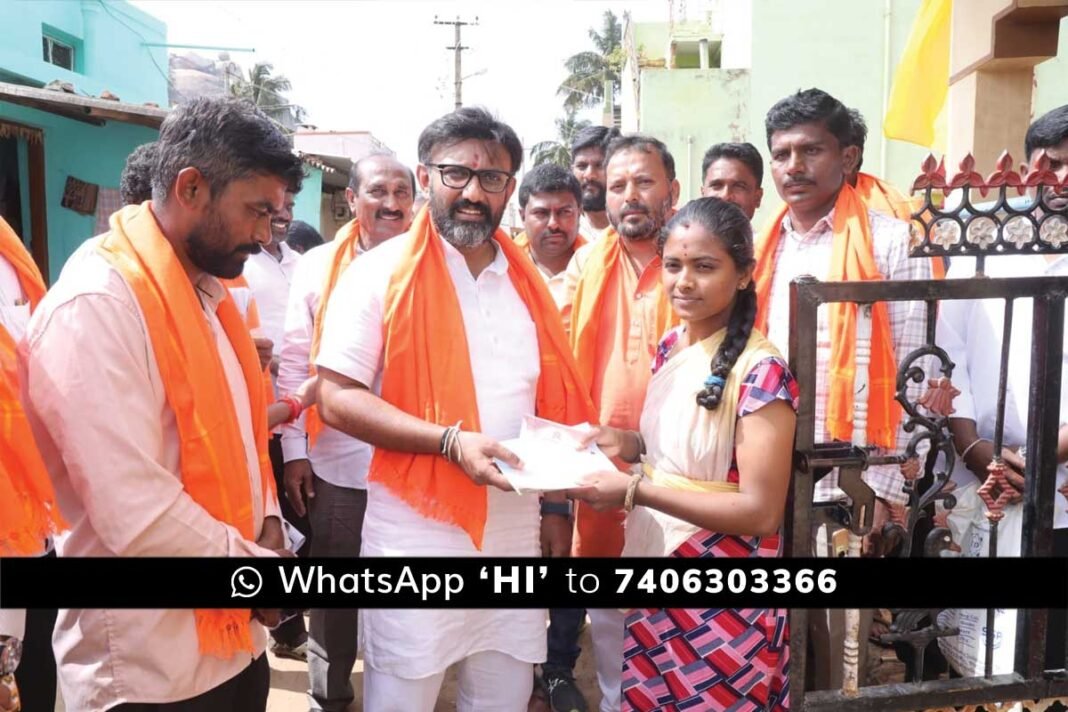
(505, 365)
(98, 409)
(270, 279)
(971, 333)
(337, 458)
(810, 254)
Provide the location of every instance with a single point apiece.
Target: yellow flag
(922, 79)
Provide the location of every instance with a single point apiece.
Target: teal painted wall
(307, 202)
(95, 154)
(691, 109)
(108, 36)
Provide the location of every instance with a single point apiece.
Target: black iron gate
(984, 230)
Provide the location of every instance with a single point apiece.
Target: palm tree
(559, 151)
(267, 91)
(584, 86)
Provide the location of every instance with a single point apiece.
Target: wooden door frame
(35, 170)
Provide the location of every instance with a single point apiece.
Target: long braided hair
(731, 227)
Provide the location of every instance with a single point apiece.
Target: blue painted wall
(95, 154)
(108, 37)
(307, 203)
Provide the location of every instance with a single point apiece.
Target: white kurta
(503, 346)
(971, 333)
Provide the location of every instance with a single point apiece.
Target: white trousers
(489, 681)
(607, 626)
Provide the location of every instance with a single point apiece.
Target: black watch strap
(562, 509)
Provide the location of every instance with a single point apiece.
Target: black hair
(731, 227)
(354, 172)
(859, 134)
(135, 183)
(807, 107)
(464, 124)
(645, 144)
(1047, 131)
(744, 152)
(302, 237)
(593, 137)
(225, 139)
(549, 178)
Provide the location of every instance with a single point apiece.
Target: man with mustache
(146, 399)
(972, 334)
(587, 165)
(617, 312)
(734, 172)
(326, 470)
(549, 207)
(435, 346)
(826, 230)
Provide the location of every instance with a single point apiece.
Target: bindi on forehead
(476, 154)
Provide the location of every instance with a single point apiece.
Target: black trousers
(36, 675)
(246, 692)
(293, 631)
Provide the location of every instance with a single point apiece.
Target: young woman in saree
(716, 446)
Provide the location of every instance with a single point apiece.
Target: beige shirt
(96, 403)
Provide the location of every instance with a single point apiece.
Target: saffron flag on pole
(921, 82)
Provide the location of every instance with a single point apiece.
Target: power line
(457, 49)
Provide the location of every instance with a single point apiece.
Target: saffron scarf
(605, 259)
(427, 373)
(884, 198)
(28, 510)
(213, 466)
(349, 239)
(852, 260)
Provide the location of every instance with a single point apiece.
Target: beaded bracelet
(295, 407)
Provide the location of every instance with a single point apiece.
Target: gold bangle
(632, 490)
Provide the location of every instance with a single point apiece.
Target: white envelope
(551, 457)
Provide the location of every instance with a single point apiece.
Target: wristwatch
(562, 509)
(10, 654)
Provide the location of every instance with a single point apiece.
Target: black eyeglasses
(457, 177)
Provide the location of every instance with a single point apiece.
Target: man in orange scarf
(28, 510)
(549, 200)
(326, 470)
(436, 345)
(146, 397)
(826, 230)
(617, 311)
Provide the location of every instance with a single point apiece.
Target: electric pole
(457, 49)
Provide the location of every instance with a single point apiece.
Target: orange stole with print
(213, 465)
(852, 260)
(427, 373)
(28, 510)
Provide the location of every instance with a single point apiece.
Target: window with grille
(57, 53)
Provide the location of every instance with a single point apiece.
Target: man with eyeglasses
(435, 346)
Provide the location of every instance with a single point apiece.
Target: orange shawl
(884, 198)
(852, 259)
(348, 237)
(427, 373)
(213, 465)
(28, 510)
(605, 258)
